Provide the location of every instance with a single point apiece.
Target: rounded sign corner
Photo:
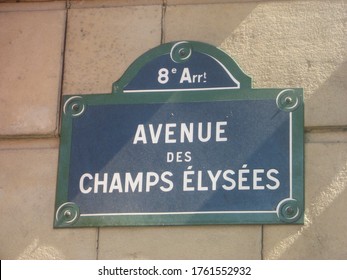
(182, 66)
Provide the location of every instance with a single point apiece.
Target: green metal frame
(287, 99)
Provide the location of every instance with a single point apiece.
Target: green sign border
(290, 211)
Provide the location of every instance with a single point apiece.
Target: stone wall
(50, 48)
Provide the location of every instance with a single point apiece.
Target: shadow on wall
(313, 211)
(331, 93)
(291, 45)
(300, 45)
(206, 23)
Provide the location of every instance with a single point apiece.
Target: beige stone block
(183, 242)
(323, 236)
(195, 2)
(205, 23)
(30, 73)
(326, 135)
(279, 44)
(102, 43)
(27, 196)
(112, 3)
(43, 5)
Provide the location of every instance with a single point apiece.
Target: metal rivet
(290, 211)
(67, 214)
(182, 52)
(288, 100)
(75, 107)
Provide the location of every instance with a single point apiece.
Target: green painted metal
(165, 49)
(288, 99)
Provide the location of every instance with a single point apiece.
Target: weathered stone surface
(30, 58)
(184, 242)
(280, 44)
(112, 3)
(43, 5)
(324, 234)
(206, 23)
(102, 43)
(27, 194)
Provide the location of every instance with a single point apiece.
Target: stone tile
(280, 44)
(102, 43)
(205, 23)
(326, 135)
(184, 242)
(195, 2)
(31, 6)
(41, 0)
(324, 234)
(30, 58)
(113, 3)
(27, 196)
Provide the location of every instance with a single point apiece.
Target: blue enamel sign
(183, 139)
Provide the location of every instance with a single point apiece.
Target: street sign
(183, 139)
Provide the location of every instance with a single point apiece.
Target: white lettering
(82, 189)
(200, 187)
(272, 178)
(183, 133)
(208, 132)
(155, 134)
(185, 76)
(188, 156)
(229, 179)
(116, 183)
(170, 156)
(133, 184)
(187, 133)
(100, 183)
(187, 180)
(257, 179)
(220, 131)
(140, 134)
(214, 178)
(152, 179)
(170, 185)
(169, 132)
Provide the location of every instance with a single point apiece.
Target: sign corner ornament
(183, 139)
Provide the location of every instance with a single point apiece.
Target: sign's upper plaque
(182, 139)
